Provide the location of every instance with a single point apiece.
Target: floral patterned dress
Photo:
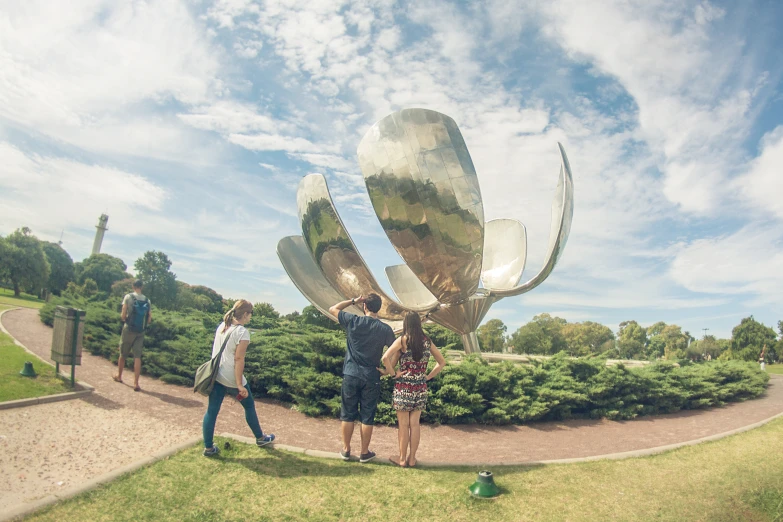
(410, 390)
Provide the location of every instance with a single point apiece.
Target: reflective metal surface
(409, 290)
(562, 215)
(505, 251)
(424, 189)
(305, 274)
(464, 317)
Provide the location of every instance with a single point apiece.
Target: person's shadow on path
(286, 465)
(171, 399)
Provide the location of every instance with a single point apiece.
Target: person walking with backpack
(136, 315)
(232, 339)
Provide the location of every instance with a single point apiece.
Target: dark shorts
(359, 400)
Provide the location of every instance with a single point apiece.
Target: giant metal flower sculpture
(425, 192)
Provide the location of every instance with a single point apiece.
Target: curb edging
(39, 504)
(86, 389)
(526, 463)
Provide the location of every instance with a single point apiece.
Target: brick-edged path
(178, 406)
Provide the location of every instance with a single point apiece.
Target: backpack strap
(225, 343)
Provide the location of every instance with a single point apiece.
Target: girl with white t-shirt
(229, 377)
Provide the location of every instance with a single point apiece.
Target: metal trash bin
(67, 338)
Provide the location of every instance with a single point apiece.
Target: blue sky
(191, 124)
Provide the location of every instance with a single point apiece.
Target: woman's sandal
(396, 462)
(407, 463)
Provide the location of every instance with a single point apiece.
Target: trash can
(67, 337)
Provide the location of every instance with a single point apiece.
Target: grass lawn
(25, 300)
(775, 368)
(737, 478)
(13, 386)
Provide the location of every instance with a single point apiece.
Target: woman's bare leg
(415, 416)
(403, 434)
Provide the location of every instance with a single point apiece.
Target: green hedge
(302, 364)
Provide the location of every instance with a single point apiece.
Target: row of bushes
(302, 364)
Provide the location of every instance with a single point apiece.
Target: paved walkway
(177, 407)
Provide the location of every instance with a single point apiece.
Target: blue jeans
(216, 400)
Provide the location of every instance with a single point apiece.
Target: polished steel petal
(562, 215)
(305, 274)
(464, 317)
(409, 290)
(423, 187)
(333, 249)
(505, 251)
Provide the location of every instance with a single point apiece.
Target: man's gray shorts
(131, 342)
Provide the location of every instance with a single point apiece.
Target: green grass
(775, 368)
(24, 300)
(13, 386)
(737, 478)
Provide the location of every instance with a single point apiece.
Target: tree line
(547, 335)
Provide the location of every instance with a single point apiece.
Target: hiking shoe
(346, 455)
(366, 457)
(266, 439)
(211, 452)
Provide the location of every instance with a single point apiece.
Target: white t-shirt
(225, 375)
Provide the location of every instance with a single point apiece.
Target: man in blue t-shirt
(367, 337)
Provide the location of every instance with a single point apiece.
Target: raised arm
(439, 359)
(391, 355)
(342, 305)
(239, 367)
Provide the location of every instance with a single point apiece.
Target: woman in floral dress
(409, 399)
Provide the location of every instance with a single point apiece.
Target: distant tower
(101, 226)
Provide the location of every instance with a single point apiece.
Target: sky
(190, 123)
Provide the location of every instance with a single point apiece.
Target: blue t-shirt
(367, 337)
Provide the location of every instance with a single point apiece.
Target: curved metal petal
(562, 215)
(300, 267)
(464, 317)
(425, 192)
(409, 290)
(333, 249)
(505, 252)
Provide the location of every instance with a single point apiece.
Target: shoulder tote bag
(207, 372)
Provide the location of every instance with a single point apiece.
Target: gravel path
(117, 425)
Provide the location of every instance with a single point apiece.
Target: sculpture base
(470, 343)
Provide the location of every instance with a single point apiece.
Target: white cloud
(762, 185)
(744, 263)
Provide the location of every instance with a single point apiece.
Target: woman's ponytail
(240, 309)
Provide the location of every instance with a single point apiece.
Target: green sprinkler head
(484, 487)
(28, 370)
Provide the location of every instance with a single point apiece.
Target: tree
(265, 310)
(676, 341)
(543, 335)
(492, 336)
(587, 338)
(23, 262)
(104, 269)
(188, 299)
(655, 329)
(748, 338)
(311, 315)
(160, 283)
(215, 299)
(442, 337)
(61, 267)
(631, 340)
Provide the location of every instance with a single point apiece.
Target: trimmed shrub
(301, 363)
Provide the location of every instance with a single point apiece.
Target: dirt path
(164, 414)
